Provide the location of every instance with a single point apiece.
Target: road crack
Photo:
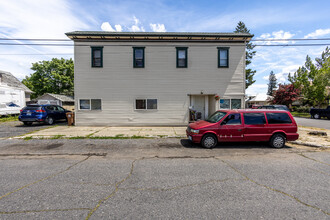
(114, 191)
(275, 190)
(45, 178)
(182, 186)
(45, 210)
(303, 155)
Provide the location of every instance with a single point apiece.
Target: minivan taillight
(41, 110)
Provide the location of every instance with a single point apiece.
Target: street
(159, 179)
(317, 123)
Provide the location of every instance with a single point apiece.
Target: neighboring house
(259, 99)
(65, 101)
(13, 94)
(153, 79)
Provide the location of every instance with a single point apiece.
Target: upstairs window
(223, 57)
(181, 57)
(97, 56)
(138, 57)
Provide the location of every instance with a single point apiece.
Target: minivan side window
(254, 118)
(233, 119)
(278, 118)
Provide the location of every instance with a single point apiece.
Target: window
(223, 57)
(278, 118)
(148, 104)
(235, 104)
(138, 57)
(90, 104)
(230, 103)
(97, 56)
(254, 118)
(225, 103)
(181, 57)
(233, 119)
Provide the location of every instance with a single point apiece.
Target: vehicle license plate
(29, 113)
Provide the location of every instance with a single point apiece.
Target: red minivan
(273, 126)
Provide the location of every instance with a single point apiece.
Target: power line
(269, 39)
(88, 45)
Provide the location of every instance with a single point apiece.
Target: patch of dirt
(52, 146)
(313, 139)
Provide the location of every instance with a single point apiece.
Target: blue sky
(266, 19)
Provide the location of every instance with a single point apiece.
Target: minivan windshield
(216, 116)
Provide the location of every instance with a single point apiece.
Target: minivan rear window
(278, 118)
(254, 118)
(32, 108)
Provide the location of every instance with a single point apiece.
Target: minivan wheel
(277, 141)
(209, 141)
(49, 120)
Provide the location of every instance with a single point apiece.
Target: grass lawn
(301, 114)
(8, 118)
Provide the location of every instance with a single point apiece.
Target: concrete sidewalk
(119, 132)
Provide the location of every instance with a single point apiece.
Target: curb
(308, 144)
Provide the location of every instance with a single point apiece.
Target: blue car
(42, 113)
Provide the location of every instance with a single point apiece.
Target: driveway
(317, 123)
(16, 128)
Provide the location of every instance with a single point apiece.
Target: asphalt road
(317, 123)
(153, 180)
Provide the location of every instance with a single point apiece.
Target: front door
(199, 104)
(231, 129)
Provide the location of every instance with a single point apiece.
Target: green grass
(8, 118)
(301, 114)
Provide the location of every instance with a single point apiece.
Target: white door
(199, 104)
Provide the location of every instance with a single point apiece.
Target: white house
(13, 94)
(152, 79)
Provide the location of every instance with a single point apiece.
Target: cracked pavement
(147, 180)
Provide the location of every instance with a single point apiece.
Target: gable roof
(63, 98)
(11, 81)
(260, 98)
(159, 36)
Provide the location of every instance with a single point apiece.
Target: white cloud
(318, 33)
(281, 35)
(255, 89)
(118, 28)
(137, 27)
(37, 19)
(106, 26)
(158, 27)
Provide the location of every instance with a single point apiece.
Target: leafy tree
(55, 76)
(285, 95)
(241, 28)
(314, 79)
(272, 83)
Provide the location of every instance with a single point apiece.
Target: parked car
(42, 113)
(273, 126)
(319, 113)
(279, 107)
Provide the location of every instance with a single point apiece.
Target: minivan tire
(49, 120)
(277, 141)
(209, 141)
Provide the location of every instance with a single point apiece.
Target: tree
(285, 94)
(272, 83)
(55, 76)
(249, 73)
(314, 79)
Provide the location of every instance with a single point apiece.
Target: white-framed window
(146, 104)
(90, 104)
(230, 103)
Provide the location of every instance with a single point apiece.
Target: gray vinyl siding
(118, 84)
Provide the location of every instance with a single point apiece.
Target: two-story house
(153, 79)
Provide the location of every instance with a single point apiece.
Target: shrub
(303, 109)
